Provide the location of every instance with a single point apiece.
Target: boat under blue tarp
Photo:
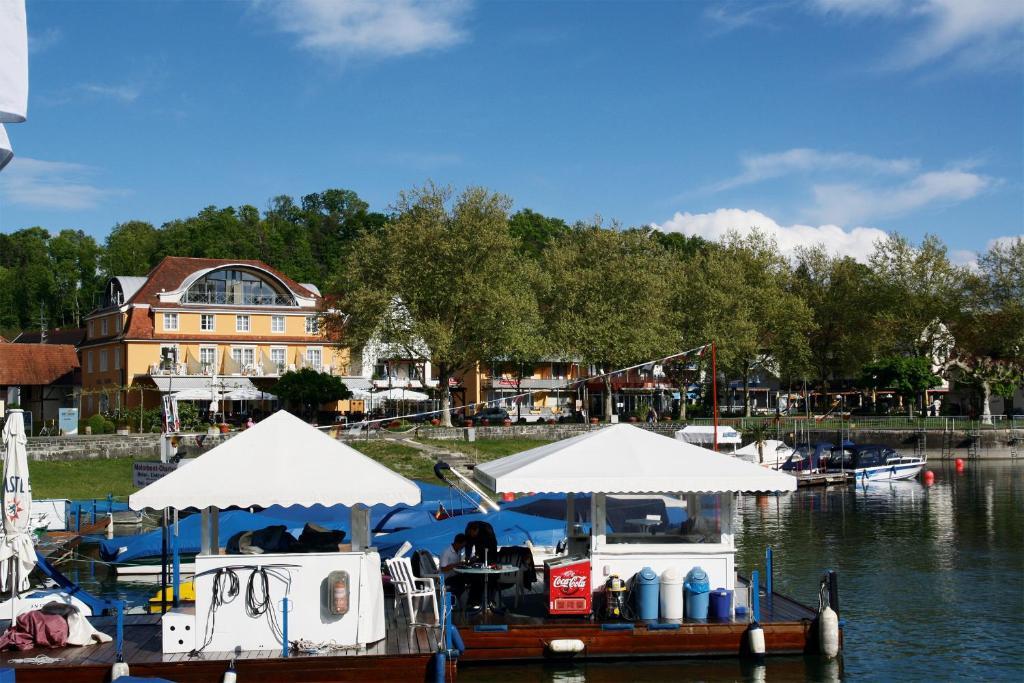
(383, 519)
(510, 528)
(618, 509)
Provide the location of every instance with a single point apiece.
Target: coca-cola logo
(569, 582)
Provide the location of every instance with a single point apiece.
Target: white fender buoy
(755, 638)
(566, 646)
(230, 676)
(828, 632)
(119, 669)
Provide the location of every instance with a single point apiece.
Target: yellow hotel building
(202, 328)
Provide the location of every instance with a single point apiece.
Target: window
(277, 323)
(169, 357)
(237, 288)
(207, 358)
(103, 327)
(117, 359)
(314, 357)
(92, 329)
(277, 358)
(311, 324)
(243, 355)
(117, 325)
(170, 321)
(103, 361)
(207, 322)
(241, 323)
(88, 361)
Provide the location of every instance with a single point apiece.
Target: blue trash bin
(646, 585)
(697, 589)
(720, 606)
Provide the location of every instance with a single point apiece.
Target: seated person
(450, 558)
(482, 547)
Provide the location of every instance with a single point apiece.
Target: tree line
(473, 281)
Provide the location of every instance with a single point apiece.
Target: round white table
(487, 573)
(644, 524)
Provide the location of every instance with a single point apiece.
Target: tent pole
(163, 564)
(175, 563)
(714, 391)
(214, 531)
(204, 531)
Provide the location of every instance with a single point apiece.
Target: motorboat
(867, 462)
(771, 453)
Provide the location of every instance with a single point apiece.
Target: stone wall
(994, 443)
(142, 446)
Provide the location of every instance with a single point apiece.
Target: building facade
(196, 327)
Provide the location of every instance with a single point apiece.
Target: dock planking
(403, 655)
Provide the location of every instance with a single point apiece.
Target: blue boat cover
(510, 528)
(383, 518)
(552, 505)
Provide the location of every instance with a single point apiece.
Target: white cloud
(385, 28)
(973, 34)
(858, 242)
(123, 93)
(43, 41)
(58, 185)
(852, 202)
(760, 167)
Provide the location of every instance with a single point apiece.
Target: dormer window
(234, 287)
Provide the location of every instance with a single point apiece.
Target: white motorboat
(863, 463)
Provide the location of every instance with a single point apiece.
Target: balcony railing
(236, 299)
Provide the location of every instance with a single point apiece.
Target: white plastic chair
(409, 586)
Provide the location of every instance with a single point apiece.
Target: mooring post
(284, 627)
(120, 605)
(755, 596)
(833, 591)
(93, 511)
(768, 572)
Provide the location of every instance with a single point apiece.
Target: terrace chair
(409, 586)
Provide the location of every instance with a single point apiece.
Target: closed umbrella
(17, 553)
(13, 70)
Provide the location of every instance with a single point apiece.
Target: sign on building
(68, 420)
(145, 473)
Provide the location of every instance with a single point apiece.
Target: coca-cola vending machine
(569, 589)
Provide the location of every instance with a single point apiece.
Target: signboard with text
(145, 473)
(67, 419)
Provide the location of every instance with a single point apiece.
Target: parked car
(493, 415)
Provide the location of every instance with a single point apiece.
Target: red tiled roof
(35, 364)
(140, 325)
(172, 271)
(71, 335)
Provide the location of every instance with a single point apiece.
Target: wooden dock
(804, 479)
(404, 655)
(56, 542)
(786, 624)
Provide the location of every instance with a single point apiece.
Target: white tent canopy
(280, 461)
(400, 395)
(627, 459)
(705, 434)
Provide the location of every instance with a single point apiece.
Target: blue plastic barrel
(645, 583)
(720, 606)
(697, 590)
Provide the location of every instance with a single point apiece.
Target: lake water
(931, 582)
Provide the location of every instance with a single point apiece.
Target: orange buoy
(929, 477)
(508, 497)
(959, 465)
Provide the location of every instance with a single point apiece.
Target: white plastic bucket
(671, 596)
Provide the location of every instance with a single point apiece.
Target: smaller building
(41, 378)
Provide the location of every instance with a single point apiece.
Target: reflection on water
(931, 582)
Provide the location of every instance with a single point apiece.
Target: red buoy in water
(508, 497)
(929, 477)
(959, 464)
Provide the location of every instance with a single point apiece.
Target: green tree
(442, 281)
(74, 257)
(535, 231)
(309, 389)
(606, 303)
(908, 376)
(131, 248)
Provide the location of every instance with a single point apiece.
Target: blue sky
(818, 120)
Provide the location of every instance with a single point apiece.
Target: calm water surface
(931, 582)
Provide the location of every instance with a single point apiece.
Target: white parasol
(17, 553)
(13, 70)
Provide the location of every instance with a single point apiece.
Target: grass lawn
(489, 449)
(81, 478)
(402, 459)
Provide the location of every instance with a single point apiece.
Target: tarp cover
(510, 528)
(705, 434)
(280, 461)
(626, 459)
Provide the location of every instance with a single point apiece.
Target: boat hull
(887, 472)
